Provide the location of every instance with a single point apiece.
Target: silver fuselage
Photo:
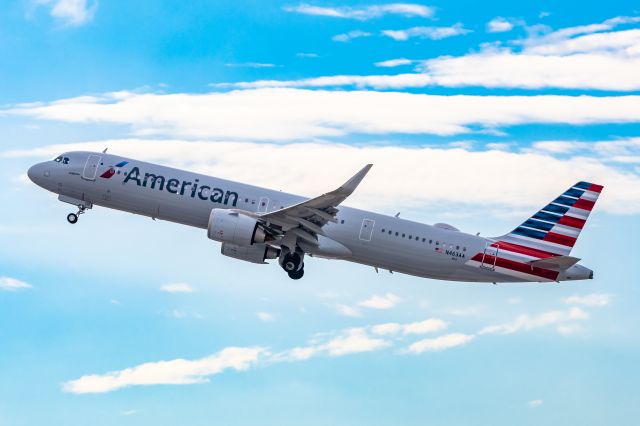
(180, 196)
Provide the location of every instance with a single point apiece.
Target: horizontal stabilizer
(556, 263)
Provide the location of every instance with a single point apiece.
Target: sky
(472, 114)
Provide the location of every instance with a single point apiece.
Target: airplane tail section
(555, 228)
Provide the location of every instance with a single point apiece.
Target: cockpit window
(61, 159)
(58, 159)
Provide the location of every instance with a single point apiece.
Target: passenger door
(91, 167)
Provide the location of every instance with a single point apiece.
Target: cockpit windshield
(61, 159)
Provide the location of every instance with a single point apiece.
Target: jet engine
(256, 253)
(233, 227)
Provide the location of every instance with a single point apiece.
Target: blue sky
(472, 114)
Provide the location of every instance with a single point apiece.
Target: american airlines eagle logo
(112, 170)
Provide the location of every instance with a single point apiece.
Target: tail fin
(554, 230)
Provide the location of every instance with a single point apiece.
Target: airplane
(257, 224)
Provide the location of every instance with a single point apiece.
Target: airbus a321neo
(256, 224)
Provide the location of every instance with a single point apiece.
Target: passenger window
(342, 221)
(383, 230)
(424, 239)
(430, 241)
(396, 234)
(457, 247)
(437, 243)
(389, 232)
(403, 235)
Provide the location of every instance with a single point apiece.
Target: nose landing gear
(72, 218)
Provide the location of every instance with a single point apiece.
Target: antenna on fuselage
(397, 214)
(105, 150)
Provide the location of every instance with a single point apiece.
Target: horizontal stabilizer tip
(556, 263)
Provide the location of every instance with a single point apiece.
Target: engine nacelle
(234, 228)
(256, 253)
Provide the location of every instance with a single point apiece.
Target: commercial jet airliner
(256, 224)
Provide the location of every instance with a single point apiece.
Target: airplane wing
(307, 218)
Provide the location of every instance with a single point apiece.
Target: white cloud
(392, 63)
(350, 36)
(532, 71)
(439, 343)
(396, 81)
(348, 311)
(387, 301)
(589, 57)
(265, 316)
(430, 325)
(129, 412)
(432, 33)
(386, 329)
(306, 55)
(342, 343)
(286, 114)
(244, 162)
(594, 299)
(354, 341)
(250, 65)
(177, 371)
(535, 403)
(525, 322)
(500, 25)
(71, 12)
(12, 284)
(366, 12)
(177, 288)
(581, 57)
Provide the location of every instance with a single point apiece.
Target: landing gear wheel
(291, 263)
(296, 275)
(72, 218)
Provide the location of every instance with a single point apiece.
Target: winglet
(348, 187)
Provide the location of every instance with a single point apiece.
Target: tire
(296, 275)
(72, 218)
(291, 262)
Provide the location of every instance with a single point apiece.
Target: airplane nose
(37, 173)
(32, 172)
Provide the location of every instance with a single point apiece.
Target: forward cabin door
(366, 230)
(91, 167)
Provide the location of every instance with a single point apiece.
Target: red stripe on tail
(584, 204)
(529, 251)
(595, 188)
(571, 221)
(564, 240)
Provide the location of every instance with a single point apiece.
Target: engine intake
(235, 228)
